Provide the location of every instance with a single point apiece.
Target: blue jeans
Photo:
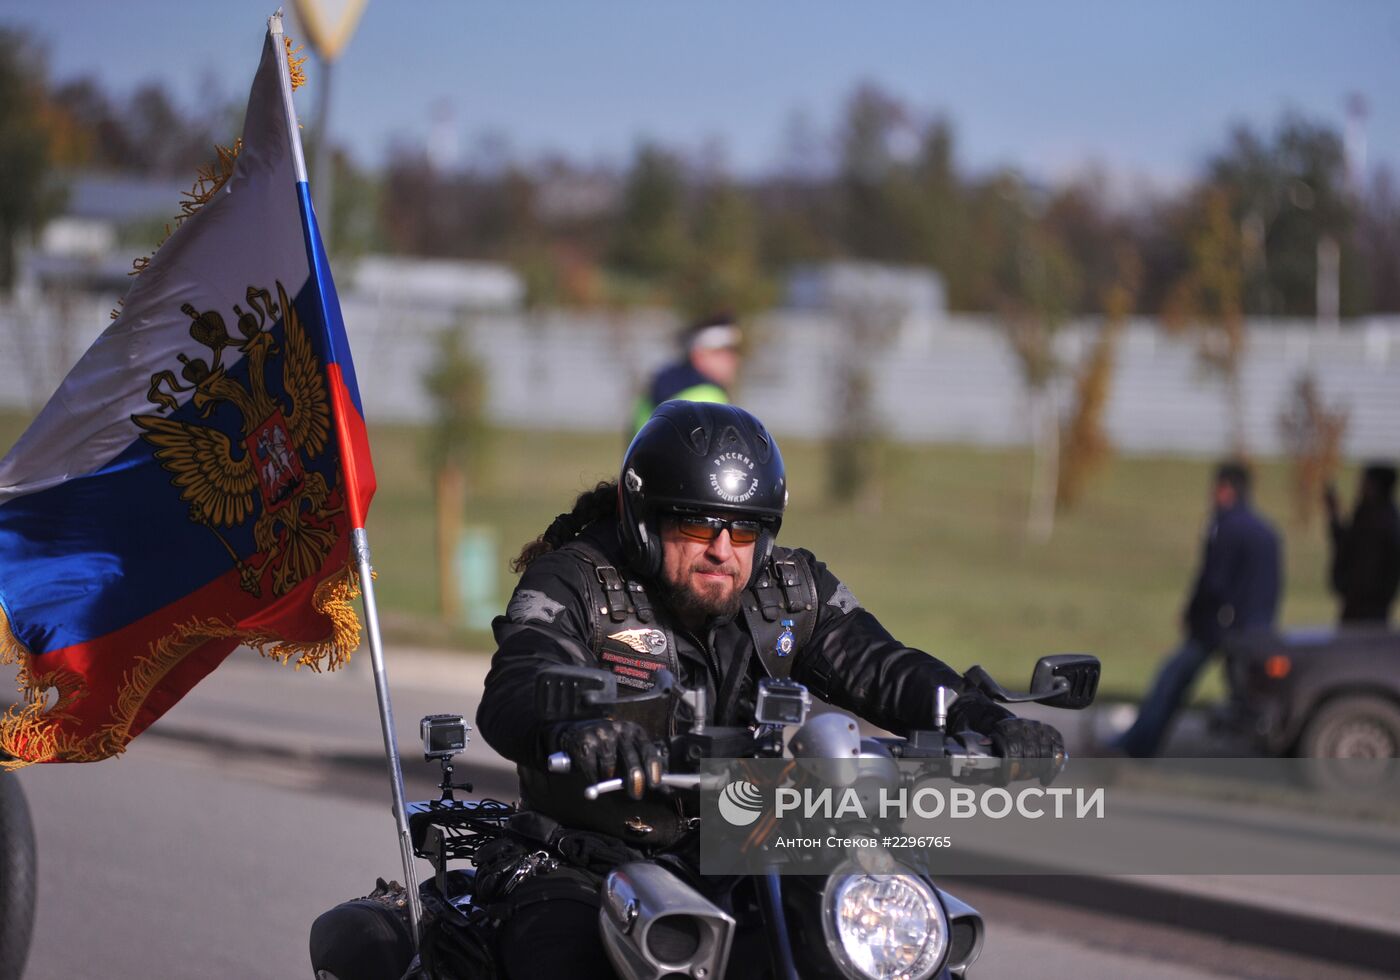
(1169, 690)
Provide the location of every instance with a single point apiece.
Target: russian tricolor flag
(193, 483)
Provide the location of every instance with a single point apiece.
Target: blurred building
(80, 251)
(829, 286)
(435, 284)
(911, 297)
(570, 195)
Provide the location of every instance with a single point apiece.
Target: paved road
(181, 861)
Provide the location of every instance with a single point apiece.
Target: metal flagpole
(359, 542)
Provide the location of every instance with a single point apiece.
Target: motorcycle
(17, 878)
(659, 918)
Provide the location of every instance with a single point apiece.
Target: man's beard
(688, 603)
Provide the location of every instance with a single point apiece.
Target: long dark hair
(591, 505)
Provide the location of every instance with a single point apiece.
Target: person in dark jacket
(1236, 590)
(676, 567)
(705, 373)
(1365, 572)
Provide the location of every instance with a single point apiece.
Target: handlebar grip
(606, 786)
(675, 780)
(559, 762)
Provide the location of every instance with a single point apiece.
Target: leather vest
(631, 641)
(779, 608)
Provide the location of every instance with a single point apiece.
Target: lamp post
(328, 25)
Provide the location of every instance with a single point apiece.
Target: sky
(1143, 91)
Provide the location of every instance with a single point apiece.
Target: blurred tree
(898, 201)
(1086, 447)
(456, 448)
(163, 139)
(721, 271)
(488, 212)
(795, 207)
(1378, 240)
(147, 133)
(354, 226)
(1098, 239)
(1312, 433)
(1158, 231)
(997, 219)
(1288, 194)
(28, 194)
(865, 165)
(101, 141)
(1035, 285)
(1208, 300)
(558, 275)
(887, 181)
(867, 326)
(937, 208)
(495, 213)
(413, 212)
(649, 242)
(1044, 292)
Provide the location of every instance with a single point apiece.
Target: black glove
(1030, 748)
(973, 711)
(598, 748)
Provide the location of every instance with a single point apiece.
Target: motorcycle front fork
(770, 900)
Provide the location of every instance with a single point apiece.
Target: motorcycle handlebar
(560, 763)
(676, 780)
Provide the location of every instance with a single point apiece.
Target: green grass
(942, 559)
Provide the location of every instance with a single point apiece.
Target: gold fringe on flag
(31, 732)
(295, 64)
(12, 651)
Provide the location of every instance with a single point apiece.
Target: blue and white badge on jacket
(785, 641)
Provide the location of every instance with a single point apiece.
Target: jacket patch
(631, 671)
(530, 605)
(642, 640)
(843, 600)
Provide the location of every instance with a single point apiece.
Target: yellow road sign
(328, 24)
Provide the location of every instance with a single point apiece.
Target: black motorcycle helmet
(699, 457)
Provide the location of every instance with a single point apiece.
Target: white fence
(949, 379)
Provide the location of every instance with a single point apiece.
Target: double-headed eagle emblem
(226, 482)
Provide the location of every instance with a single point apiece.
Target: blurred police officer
(706, 372)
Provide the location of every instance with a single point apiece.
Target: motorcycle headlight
(884, 927)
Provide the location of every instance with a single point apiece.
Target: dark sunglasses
(701, 528)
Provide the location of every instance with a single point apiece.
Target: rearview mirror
(1063, 680)
(1066, 680)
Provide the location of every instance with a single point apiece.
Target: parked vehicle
(659, 919)
(1317, 693)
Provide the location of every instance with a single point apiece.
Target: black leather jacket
(841, 652)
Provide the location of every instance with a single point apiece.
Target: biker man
(675, 567)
